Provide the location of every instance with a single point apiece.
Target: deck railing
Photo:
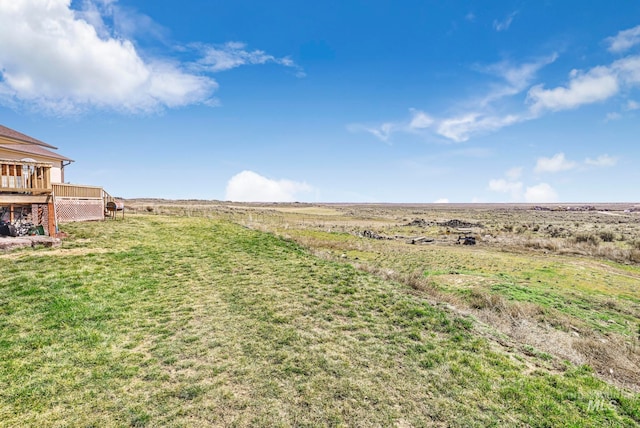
(25, 177)
(108, 198)
(77, 191)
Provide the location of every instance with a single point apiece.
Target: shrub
(607, 236)
(634, 256)
(542, 244)
(587, 238)
(557, 232)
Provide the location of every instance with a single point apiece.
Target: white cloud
(602, 161)
(504, 186)
(420, 120)
(597, 84)
(632, 105)
(516, 78)
(249, 186)
(478, 118)
(52, 59)
(455, 128)
(628, 70)
(65, 61)
(556, 163)
(234, 54)
(461, 128)
(505, 23)
(490, 112)
(624, 40)
(501, 185)
(540, 193)
(441, 201)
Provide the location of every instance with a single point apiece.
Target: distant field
(196, 314)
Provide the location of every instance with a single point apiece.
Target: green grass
(167, 321)
(592, 292)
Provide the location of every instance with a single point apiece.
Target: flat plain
(192, 313)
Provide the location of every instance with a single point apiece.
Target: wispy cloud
(87, 59)
(602, 161)
(478, 116)
(494, 110)
(612, 116)
(111, 19)
(514, 78)
(420, 120)
(381, 132)
(624, 40)
(556, 163)
(632, 105)
(461, 128)
(235, 54)
(503, 25)
(249, 186)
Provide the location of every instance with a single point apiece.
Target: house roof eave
(17, 137)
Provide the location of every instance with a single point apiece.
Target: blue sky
(334, 101)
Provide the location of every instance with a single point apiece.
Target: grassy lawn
(173, 321)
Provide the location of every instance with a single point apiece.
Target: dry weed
(611, 357)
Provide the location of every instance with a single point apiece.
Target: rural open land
(204, 313)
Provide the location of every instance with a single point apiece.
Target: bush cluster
(587, 238)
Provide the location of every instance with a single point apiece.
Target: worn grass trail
(167, 321)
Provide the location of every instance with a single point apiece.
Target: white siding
(56, 175)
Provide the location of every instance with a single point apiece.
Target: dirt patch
(12, 243)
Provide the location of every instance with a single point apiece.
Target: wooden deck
(31, 178)
(24, 183)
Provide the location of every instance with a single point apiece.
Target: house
(33, 196)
